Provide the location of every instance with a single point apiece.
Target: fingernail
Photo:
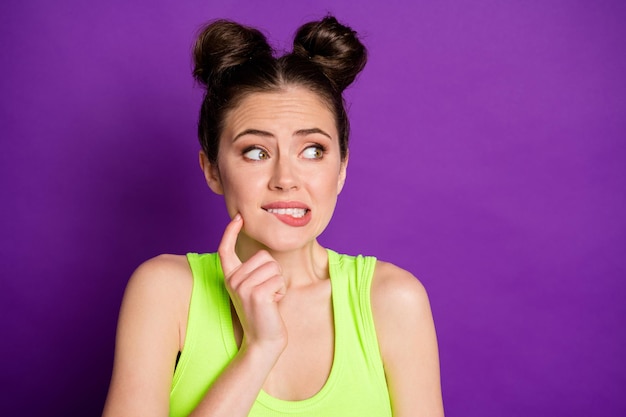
(237, 217)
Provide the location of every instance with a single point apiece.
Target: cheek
(328, 188)
(333, 180)
(240, 193)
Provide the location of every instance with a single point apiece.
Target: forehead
(288, 108)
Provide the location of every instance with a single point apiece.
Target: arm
(236, 389)
(408, 342)
(148, 337)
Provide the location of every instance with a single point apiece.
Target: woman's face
(279, 165)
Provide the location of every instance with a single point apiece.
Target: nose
(284, 175)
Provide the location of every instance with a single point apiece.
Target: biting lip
(293, 213)
(285, 205)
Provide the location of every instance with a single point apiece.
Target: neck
(301, 267)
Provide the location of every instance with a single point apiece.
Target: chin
(282, 241)
(285, 244)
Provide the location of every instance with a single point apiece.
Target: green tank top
(356, 385)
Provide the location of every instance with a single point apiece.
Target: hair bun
(224, 45)
(334, 47)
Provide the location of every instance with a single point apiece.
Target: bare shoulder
(150, 332)
(167, 270)
(161, 288)
(401, 311)
(407, 341)
(396, 291)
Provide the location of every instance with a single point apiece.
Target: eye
(256, 154)
(314, 152)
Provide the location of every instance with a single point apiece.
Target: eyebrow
(255, 132)
(305, 132)
(301, 132)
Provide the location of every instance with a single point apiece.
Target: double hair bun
(227, 50)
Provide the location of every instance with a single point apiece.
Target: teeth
(293, 212)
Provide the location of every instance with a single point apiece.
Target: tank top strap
(207, 342)
(352, 285)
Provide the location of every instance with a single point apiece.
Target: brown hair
(232, 60)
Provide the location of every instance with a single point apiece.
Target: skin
(280, 146)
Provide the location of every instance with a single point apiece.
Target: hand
(255, 288)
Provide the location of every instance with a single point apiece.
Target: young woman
(273, 324)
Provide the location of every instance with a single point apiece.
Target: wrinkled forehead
(288, 107)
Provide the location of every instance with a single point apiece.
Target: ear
(211, 174)
(342, 173)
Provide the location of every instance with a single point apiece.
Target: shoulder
(407, 340)
(159, 291)
(396, 291)
(150, 332)
(163, 278)
(400, 307)
(163, 272)
(163, 265)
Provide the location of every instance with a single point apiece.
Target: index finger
(226, 250)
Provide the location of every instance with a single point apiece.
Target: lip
(287, 219)
(285, 204)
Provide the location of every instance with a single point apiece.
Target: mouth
(291, 211)
(295, 212)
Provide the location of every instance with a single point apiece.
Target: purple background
(488, 155)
